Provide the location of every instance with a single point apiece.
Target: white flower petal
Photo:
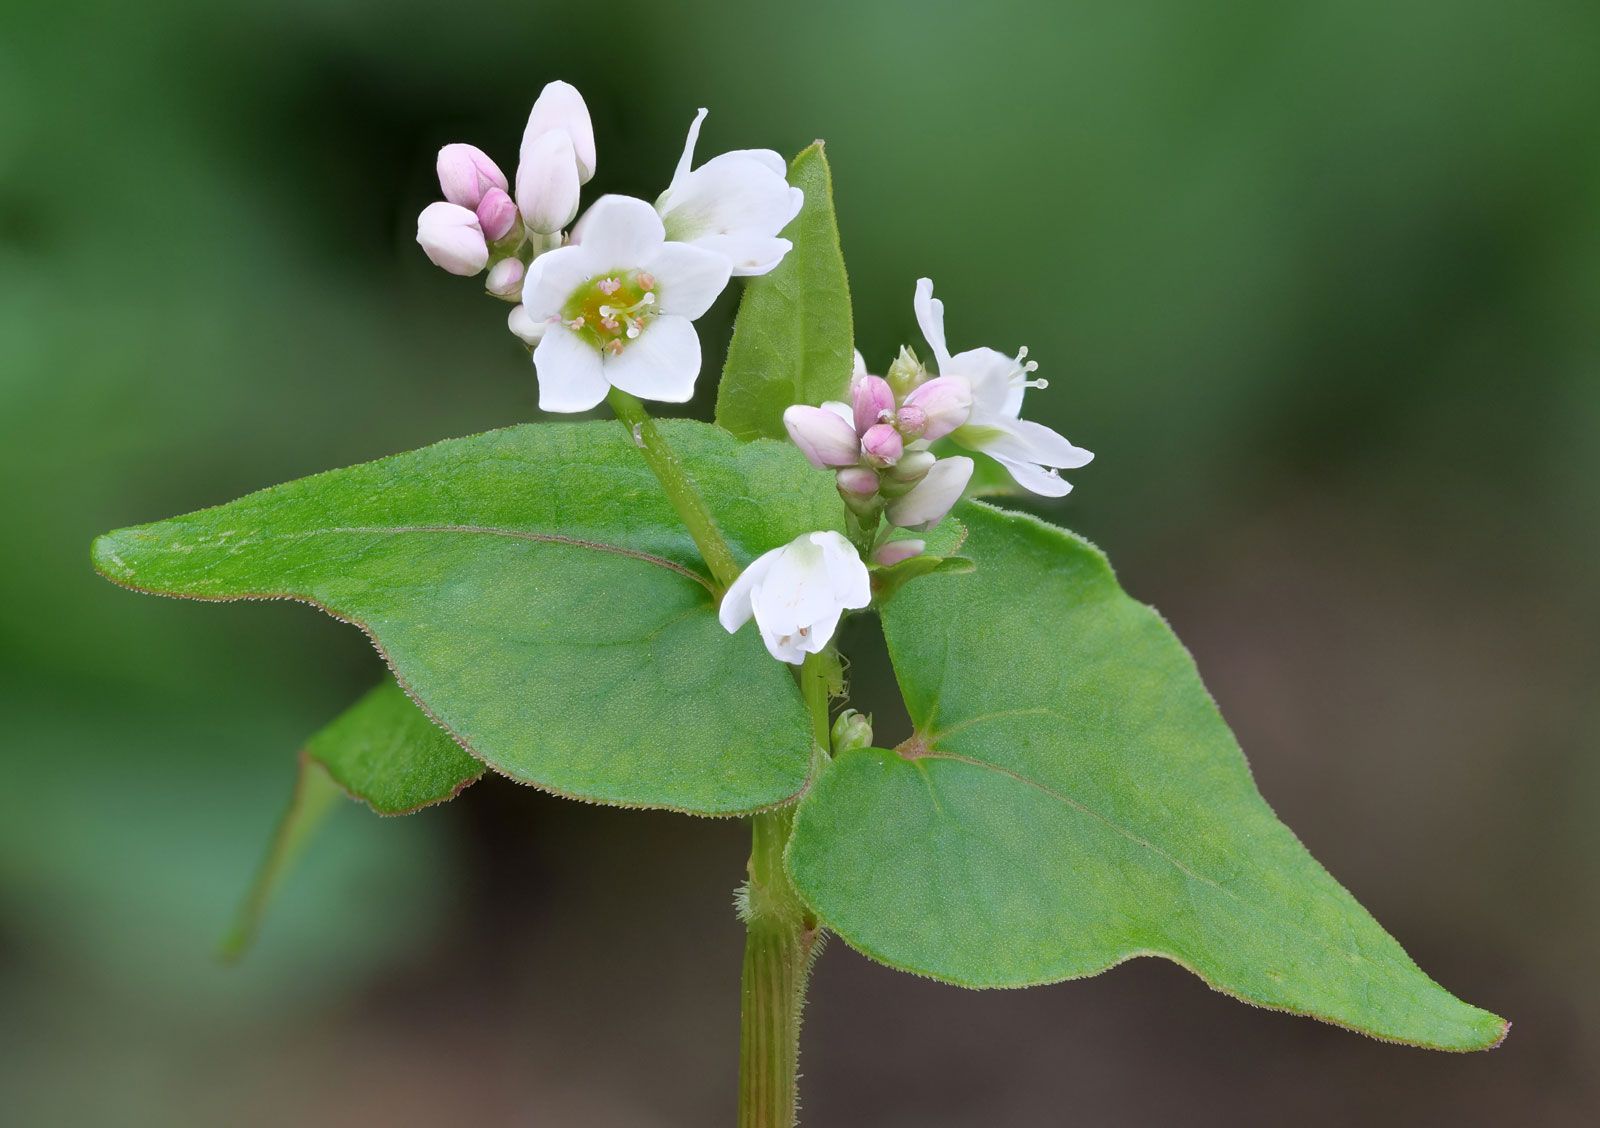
(571, 377)
(750, 255)
(851, 582)
(686, 160)
(997, 382)
(561, 107)
(730, 193)
(1035, 478)
(1028, 441)
(547, 183)
(620, 232)
(661, 364)
(736, 609)
(930, 318)
(842, 410)
(552, 278)
(689, 278)
(858, 370)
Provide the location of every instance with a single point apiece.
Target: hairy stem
(679, 488)
(780, 942)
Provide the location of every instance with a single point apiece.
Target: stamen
(646, 280)
(576, 323)
(614, 347)
(610, 324)
(608, 286)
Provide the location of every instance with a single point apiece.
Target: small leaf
(793, 341)
(1071, 798)
(315, 797)
(389, 753)
(534, 591)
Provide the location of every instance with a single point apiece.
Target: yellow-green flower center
(612, 309)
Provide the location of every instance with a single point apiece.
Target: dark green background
(1319, 282)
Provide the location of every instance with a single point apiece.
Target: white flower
(1032, 452)
(451, 238)
(556, 158)
(618, 308)
(734, 204)
(797, 594)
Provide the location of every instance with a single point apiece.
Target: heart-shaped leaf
(1072, 798)
(535, 593)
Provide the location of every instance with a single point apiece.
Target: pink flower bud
(823, 437)
(946, 403)
(882, 444)
(911, 421)
(931, 498)
(858, 481)
(505, 278)
(497, 215)
(858, 489)
(894, 552)
(466, 173)
(872, 398)
(450, 236)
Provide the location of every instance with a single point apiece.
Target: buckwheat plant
(570, 604)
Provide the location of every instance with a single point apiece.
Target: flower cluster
(610, 302)
(877, 445)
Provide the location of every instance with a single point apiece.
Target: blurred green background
(1319, 282)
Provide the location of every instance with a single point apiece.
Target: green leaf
(535, 593)
(314, 798)
(793, 341)
(388, 753)
(1072, 798)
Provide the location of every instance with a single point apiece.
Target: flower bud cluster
(877, 444)
(479, 224)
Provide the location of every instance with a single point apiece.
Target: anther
(614, 347)
(645, 281)
(609, 286)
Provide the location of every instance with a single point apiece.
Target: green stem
(780, 942)
(680, 490)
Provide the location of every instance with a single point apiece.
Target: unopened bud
(905, 373)
(933, 497)
(858, 487)
(873, 402)
(466, 174)
(823, 437)
(548, 182)
(898, 479)
(892, 553)
(911, 421)
(497, 215)
(505, 279)
(851, 730)
(521, 322)
(882, 444)
(451, 238)
(946, 403)
(560, 108)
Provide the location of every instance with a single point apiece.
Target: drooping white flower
(1032, 453)
(557, 157)
(450, 236)
(734, 204)
(618, 307)
(798, 593)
